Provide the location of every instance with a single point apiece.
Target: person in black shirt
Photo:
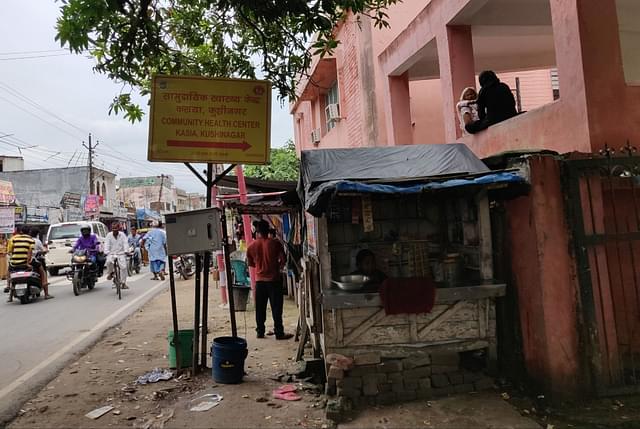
(495, 103)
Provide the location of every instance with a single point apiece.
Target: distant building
(151, 192)
(182, 200)
(42, 191)
(11, 163)
(197, 201)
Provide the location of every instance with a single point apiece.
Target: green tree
(283, 165)
(131, 40)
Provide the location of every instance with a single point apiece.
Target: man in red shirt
(267, 256)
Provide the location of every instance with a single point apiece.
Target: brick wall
(369, 379)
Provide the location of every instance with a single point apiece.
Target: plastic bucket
(228, 355)
(240, 297)
(185, 342)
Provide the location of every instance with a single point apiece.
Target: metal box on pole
(193, 231)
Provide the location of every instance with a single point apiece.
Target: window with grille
(332, 97)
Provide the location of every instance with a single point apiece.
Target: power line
(37, 105)
(35, 57)
(38, 117)
(32, 52)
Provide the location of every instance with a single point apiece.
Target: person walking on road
(155, 241)
(116, 246)
(268, 257)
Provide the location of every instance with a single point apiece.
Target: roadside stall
(282, 210)
(399, 267)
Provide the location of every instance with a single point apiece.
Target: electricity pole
(91, 149)
(162, 176)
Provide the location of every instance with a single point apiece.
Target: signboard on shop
(7, 220)
(198, 119)
(7, 196)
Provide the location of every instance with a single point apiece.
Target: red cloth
(267, 256)
(408, 296)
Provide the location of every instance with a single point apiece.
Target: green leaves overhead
(131, 40)
(283, 165)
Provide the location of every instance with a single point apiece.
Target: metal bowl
(354, 278)
(351, 282)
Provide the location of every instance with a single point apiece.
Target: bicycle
(116, 278)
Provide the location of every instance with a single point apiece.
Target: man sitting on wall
(495, 103)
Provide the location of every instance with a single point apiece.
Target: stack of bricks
(372, 380)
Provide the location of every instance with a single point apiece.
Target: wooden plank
(448, 295)
(443, 317)
(467, 311)
(399, 351)
(339, 326)
(323, 253)
(353, 335)
(482, 318)
(338, 299)
(413, 327)
(453, 331)
(399, 334)
(484, 233)
(354, 322)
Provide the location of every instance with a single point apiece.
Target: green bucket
(185, 342)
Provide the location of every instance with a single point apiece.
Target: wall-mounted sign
(91, 204)
(37, 215)
(7, 220)
(71, 199)
(198, 119)
(7, 196)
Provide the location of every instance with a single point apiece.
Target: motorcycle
(25, 284)
(84, 273)
(183, 265)
(133, 261)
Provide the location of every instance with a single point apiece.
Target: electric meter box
(193, 231)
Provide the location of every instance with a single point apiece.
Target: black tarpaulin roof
(321, 170)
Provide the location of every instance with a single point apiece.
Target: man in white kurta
(116, 245)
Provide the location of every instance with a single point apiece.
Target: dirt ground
(105, 375)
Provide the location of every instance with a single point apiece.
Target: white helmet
(85, 226)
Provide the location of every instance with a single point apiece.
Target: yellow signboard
(197, 119)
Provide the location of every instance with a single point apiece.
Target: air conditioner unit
(315, 136)
(332, 111)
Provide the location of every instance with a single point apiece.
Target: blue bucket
(228, 355)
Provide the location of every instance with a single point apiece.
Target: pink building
(578, 69)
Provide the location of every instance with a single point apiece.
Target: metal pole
(227, 265)
(205, 284)
(196, 317)
(174, 315)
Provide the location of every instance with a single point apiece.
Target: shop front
(399, 269)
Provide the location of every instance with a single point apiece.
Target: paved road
(39, 338)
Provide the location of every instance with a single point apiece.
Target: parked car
(62, 236)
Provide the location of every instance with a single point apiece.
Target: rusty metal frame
(606, 166)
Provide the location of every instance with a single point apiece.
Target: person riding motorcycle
(21, 248)
(134, 241)
(89, 242)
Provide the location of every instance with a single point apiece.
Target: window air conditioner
(332, 111)
(315, 136)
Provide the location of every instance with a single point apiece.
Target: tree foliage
(131, 40)
(283, 165)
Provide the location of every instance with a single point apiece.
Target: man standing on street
(155, 241)
(268, 258)
(116, 246)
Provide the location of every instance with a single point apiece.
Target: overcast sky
(57, 83)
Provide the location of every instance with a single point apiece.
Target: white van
(61, 238)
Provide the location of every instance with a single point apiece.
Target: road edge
(33, 381)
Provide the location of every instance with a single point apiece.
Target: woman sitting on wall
(467, 107)
(495, 103)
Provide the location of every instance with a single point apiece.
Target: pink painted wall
(545, 281)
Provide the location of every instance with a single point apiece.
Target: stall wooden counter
(462, 319)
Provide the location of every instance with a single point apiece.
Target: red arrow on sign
(244, 146)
